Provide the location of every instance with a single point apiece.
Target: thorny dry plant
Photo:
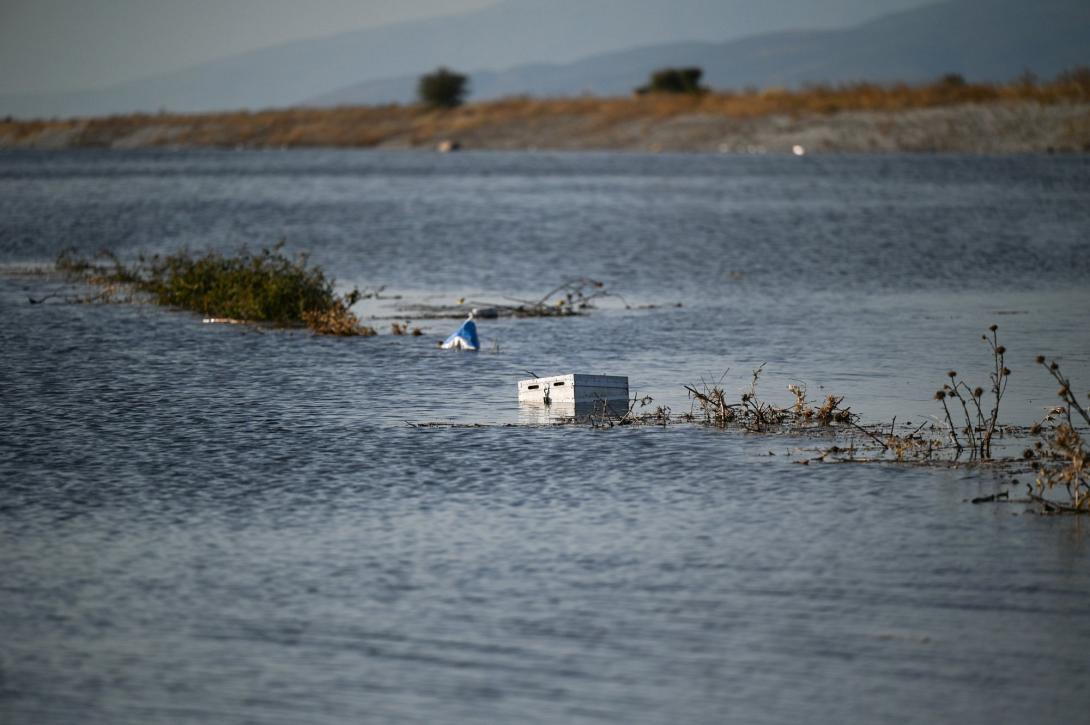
(1060, 457)
(978, 428)
(753, 414)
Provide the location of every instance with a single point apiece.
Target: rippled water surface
(202, 523)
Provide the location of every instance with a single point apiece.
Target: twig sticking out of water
(999, 377)
(603, 415)
(978, 428)
(570, 297)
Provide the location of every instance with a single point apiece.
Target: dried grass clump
(713, 405)
(1060, 458)
(264, 286)
(338, 321)
(754, 414)
(403, 328)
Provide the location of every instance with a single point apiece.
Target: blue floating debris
(464, 338)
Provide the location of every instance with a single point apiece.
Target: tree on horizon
(674, 80)
(442, 88)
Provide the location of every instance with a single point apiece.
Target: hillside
(944, 117)
(984, 40)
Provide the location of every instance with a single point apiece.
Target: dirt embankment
(968, 119)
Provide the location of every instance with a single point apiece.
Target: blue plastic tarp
(464, 338)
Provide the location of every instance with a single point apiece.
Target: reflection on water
(203, 523)
(566, 412)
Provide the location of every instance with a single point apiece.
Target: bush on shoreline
(264, 286)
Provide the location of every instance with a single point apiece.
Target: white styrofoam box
(574, 388)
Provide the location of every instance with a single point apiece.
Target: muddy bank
(589, 124)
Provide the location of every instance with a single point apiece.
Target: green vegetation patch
(264, 286)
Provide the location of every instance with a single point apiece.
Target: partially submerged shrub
(1061, 458)
(263, 286)
(337, 320)
(754, 414)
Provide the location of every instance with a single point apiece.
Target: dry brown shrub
(1061, 458)
(338, 320)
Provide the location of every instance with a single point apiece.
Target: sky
(62, 45)
(68, 45)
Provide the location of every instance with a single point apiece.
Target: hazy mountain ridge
(510, 33)
(987, 40)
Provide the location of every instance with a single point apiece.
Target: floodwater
(204, 523)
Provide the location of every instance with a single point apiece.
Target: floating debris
(464, 338)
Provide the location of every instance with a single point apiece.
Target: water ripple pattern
(203, 523)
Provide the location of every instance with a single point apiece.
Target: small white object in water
(798, 150)
(574, 388)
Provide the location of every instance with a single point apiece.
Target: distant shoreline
(856, 119)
